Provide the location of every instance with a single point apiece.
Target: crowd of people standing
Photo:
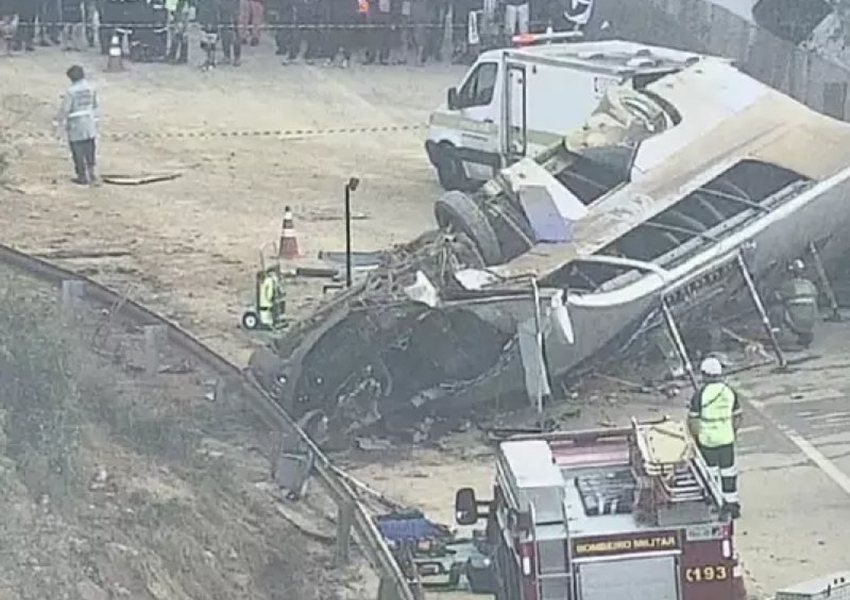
(27, 23)
(335, 31)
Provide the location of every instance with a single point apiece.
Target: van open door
(514, 142)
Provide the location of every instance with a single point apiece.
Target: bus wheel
(458, 212)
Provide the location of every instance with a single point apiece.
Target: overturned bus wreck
(656, 202)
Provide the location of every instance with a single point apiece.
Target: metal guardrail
(352, 512)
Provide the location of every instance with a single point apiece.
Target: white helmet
(711, 366)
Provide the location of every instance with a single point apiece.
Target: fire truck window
(555, 588)
(479, 88)
(547, 504)
(551, 556)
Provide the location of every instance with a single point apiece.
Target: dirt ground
(192, 245)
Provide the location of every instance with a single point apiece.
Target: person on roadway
(78, 117)
(714, 417)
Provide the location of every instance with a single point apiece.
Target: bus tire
(455, 210)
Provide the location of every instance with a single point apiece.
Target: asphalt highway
(794, 463)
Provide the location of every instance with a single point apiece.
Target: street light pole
(350, 187)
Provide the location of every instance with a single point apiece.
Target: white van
(513, 103)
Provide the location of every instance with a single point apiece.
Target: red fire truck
(607, 515)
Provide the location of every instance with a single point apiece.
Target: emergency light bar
(531, 39)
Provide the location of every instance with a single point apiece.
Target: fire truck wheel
(458, 211)
(250, 320)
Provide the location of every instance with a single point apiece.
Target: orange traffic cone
(115, 63)
(288, 237)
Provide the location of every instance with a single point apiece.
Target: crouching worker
(798, 298)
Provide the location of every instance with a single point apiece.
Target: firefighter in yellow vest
(799, 304)
(714, 417)
(267, 299)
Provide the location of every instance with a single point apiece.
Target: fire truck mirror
(466, 507)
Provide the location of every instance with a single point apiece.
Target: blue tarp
(397, 528)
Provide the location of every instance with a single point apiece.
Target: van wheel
(457, 211)
(450, 169)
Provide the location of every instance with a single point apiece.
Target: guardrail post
(153, 335)
(387, 590)
(222, 385)
(344, 518)
(72, 290)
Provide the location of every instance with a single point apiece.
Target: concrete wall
(701, 26)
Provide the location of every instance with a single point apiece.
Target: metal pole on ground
(824, 281)
(754, 294)
(350, 187)
(538, 333)
(678, 342)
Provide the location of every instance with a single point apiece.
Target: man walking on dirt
(77, 115)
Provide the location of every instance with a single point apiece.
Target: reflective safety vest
(267, 288)
(800, 297)
(363, 6)
(717, 402)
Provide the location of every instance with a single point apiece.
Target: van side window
(478, 89)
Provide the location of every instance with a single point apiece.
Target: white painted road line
(806, 397)
(809, 451)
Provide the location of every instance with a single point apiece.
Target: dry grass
(114, 488)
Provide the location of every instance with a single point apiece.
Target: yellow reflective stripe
(455, 121)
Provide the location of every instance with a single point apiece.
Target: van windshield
(479, 87)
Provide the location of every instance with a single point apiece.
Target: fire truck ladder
(666, 456)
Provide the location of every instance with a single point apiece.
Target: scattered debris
(318, 272)
(370, 444)
(181, 367)
(358, 259)
(81, 254)
(139, 179)
(331, 215)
